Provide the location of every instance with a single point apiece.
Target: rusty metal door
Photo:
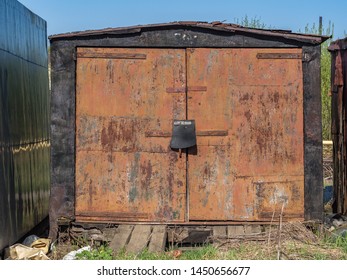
(125, 170)
(248, 109)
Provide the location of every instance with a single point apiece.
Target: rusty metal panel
(339, 115)
(260, 103)
(249, 116)
(272, 195)
(210, 176)
(210, 183)
(120, 173)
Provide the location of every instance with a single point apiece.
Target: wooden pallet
(134, 239)
(200, 235)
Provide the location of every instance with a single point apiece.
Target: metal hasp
(183, 134)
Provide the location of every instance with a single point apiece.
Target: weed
(100, 253)
(143, 255)
(207, 252)
(301, 244)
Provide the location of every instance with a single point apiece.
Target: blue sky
(77, 15)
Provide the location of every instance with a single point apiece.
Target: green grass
(207, 252)
(144, 255)
(326, 248)
(100, 253)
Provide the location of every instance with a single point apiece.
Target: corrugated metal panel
(24, 122)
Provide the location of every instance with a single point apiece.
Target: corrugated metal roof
(216, 25)
(338, 45)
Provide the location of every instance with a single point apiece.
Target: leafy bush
(325, 75)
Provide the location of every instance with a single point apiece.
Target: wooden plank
(139, 239)
(121, 237)
(313, 162)
(109, 233)
(219, 231)
(234, 231)
(177, 235)
(158, 239)
(252, 229)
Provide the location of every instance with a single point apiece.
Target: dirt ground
(293, 241)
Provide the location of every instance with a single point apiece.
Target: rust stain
(118, 130)
(133, 178)
(146, 175)
(273, 195)
(264, 121)
(249, 120)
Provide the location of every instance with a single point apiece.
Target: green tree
(251, 22)
(325, 75)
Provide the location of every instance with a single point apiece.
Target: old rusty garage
(254, 97)
(338, 128)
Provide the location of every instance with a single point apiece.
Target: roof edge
(216, 25)
(340, 44)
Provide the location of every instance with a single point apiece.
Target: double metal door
(248, 111)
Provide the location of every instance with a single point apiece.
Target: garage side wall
(24, 122)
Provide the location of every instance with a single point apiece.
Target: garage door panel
(122, 134)
(273, 67)
(210, 108)
(141, 186)
(280, 196)
(210, 183)
(268, 135)
(248, 111)
(258, 103)
(124, 171)
(130, 87)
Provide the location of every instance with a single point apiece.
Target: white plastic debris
(72, 254)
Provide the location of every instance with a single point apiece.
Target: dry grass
(291, 250)
(328, 171)
(295, 242)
